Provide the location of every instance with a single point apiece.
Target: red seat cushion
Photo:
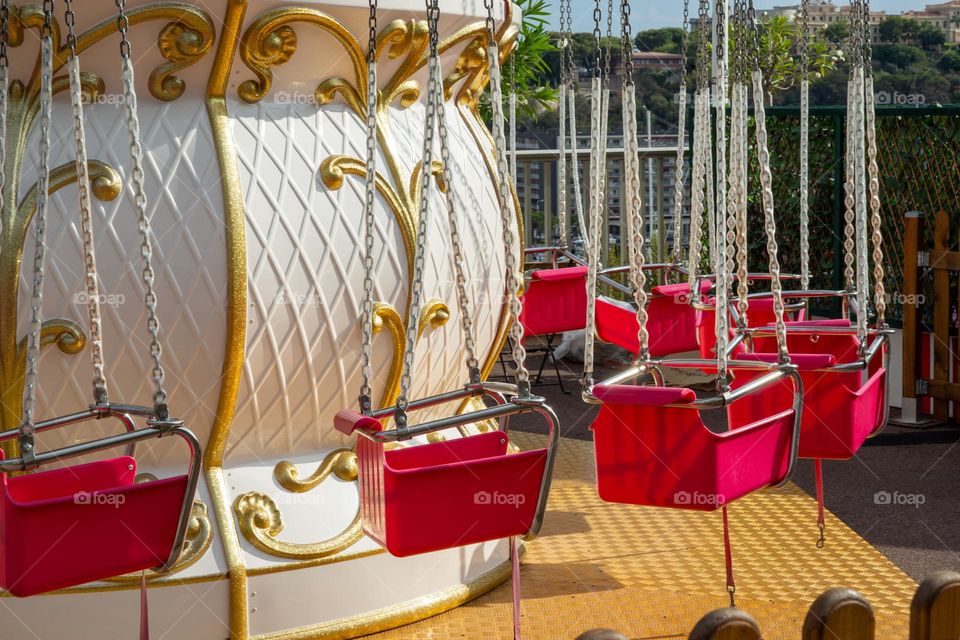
(804, 361)
(566, 273)
(646, 396)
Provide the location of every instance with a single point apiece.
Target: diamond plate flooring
(652, 573)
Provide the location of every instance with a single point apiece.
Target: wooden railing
(942, 261)
(839, 614)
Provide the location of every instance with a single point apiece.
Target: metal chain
(681, 140)
(86, 216)
(593, 238)
(575, 164)
(804, 145)
(736, 200)
(724, 261)
(766, 189)
(606, 50)
(634, 206)
(598, 58)
(466, 319)
(627, 40)
(703, 57)
(365, 398)
(143, 220)
(562, 176)
(507, 217)
(31, 377)
(873, 171)
(426, 173)
(512, 102)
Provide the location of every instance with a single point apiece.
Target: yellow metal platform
(652, 573)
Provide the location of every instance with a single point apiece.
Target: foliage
(900, 30)
(527, 70)
(779, 53)
(836, 32)
(666, 40)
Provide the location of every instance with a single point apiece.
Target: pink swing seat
(840, 409)
(671, 321)
(445, 494)
(84, 523)
(555, 301)
(653, 449)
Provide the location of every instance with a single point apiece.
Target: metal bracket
(923, 258)
(922, 388)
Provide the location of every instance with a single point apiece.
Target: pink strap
(728, 558)
(347, 421)
(515, 579)
(144, 614)
(818, 472)
(566, 273)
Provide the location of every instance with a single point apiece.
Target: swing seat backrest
(428, 497)
(759, 314)
(839, 411)
(650, 453)
(671, 321)
(555, 301)
(84, 523)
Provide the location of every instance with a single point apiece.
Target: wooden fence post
(935, 610)
(839, 614)
(726, 624)
(913, 236)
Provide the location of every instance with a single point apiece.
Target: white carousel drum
(254, 151)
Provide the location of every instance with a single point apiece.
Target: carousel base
(646, 572)
(652, 573)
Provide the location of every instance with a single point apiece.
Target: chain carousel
(206, 201)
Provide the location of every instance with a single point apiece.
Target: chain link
(507, 214)
(426, 173)
(681, 140)
(804, 145)
(627, 40)
(598, 54)
(4, 33)
(365, 398)
(31, 377)
(143, 219)
(86, 215)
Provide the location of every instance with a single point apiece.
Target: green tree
(527, 70)
(779, 45)
(666, 40)
(930, 36)
(837, 32)
(893, 57)
(896, 29)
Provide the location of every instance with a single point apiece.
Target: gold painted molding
(260, 522)
(342, 463)
(402, 613)
(236, 329)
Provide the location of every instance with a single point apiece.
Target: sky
(651, 14)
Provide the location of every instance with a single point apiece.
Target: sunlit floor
(652, 573)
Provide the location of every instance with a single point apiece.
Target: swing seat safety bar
(481, 459)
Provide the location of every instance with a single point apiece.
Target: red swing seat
(651, 450)
(671, 321)
(760, 314)
(467, 490)
(84, 523)
(555, 301)
(840, 409)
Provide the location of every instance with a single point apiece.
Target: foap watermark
(897, 499)
(299, 299)
(294, 98)
(905, 299)
(900, 99)
(96, 499)
(103, 99)
(685, 498)
(104, 299)
(496, 498)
